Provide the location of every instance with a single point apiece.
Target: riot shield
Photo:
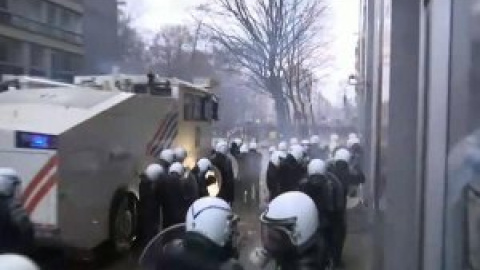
(154, 249)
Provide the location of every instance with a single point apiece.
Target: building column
(48, 62)
(402, 238)
(26, 52)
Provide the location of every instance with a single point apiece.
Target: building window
(187, 107)
(70, 21)
(65, 65)
(194, 108)
(37, 56)
(64, 61)
(30, 9)
(11, 57)
(198, 136)
(45, 18)
(11, 51)
(52, 14)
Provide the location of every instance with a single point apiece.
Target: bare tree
(307, 56)
(167, 51)
(132, 47)
(173, 53)
(261, 36)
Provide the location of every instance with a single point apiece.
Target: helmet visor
(278, 236)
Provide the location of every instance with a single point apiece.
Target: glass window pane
(462, 225)
(3, 50)
(11, 51)
(35, 10)
(77, 26)
(37, 56)
(31, 9)
(188, 107)
(198, 108)
(52, 12)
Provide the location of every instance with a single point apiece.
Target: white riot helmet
(277, 157)
(343, 155)
(16, 262)
(282, 146)
(352, 141)
(252, 146)
(222, 147)
(305, 144)
(290, 223)
(316, 167)
(204, 165)
(180, 154)
(272, 149)
(334, 137)
(154, 171)
(315, 140)
(177, 168)
(9, 182)
(298, 152)
(238, 141)
(213, 218)
(244, 149)
(352, 135)
(293, 141)
(167, 155)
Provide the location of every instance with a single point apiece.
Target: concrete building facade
(56, 38)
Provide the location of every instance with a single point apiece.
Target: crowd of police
(308, 186)
(303, 226)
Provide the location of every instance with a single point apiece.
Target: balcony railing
(21, 22)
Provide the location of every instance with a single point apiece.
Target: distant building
(57, 38)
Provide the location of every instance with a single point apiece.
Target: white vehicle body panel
(104, 140)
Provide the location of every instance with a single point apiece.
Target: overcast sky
(150, 15)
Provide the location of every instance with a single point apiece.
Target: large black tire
(123, 222)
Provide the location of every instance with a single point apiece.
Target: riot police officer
(166, 158)
(254, 161)
(291, 234)
(180, 154)
(224, 164)
(200, 172)
(315, 150)
(328, 194)
(235, 146)
(209, 241)
(341, 167)
(292, 170)
(16, 229)
(282, 146)
(241, 186)
(273, 173)
(172, 196)
(149, 203)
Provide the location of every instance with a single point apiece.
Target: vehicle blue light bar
(35, 140)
